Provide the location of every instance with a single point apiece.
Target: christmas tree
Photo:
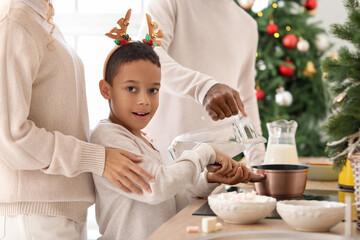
(289, 82)
(343, 77)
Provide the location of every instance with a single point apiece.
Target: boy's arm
(170, 180)
(182, 174)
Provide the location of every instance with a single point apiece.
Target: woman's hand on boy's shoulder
(121, 169)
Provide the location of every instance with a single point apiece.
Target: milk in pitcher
(281, 154)
(281, 148)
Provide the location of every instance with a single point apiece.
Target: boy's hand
(241, 175)
(121, 170)
(226, 163)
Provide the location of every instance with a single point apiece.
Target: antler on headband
(151, 37)
(120, 35)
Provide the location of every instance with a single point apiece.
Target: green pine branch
(343, 77)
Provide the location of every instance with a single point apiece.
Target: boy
(131, 84)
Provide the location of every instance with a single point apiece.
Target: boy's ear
(105, 89)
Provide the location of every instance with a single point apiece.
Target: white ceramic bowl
(246, 211)
(311, 215)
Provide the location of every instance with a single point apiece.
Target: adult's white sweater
(131, 216)
(45, 159)
(206, 42)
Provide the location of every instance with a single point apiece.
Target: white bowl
(311, 215)
(241, 211)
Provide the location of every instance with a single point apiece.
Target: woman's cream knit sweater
(45, 160)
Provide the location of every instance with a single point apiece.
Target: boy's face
(134, 95)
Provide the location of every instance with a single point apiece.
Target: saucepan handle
(257, 177)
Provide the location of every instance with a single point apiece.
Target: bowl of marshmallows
(241, 208)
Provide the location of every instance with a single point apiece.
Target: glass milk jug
(231, 136)
(281, 148)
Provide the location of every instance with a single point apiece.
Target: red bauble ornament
(285, 70)
(123, 42)
(260, 94)
(290, 41)
(310, 4)
(272, 28)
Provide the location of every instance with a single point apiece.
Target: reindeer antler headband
(151, 37)
(122, 38)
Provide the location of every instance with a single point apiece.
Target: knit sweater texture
(45, 159)
(134, 217)
(206, 42)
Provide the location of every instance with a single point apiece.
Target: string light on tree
(283, 98)
(290, 41)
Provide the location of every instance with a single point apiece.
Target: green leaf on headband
(147, 37)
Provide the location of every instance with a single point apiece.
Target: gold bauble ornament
(309, 70)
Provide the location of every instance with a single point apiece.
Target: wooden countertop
(175, 228)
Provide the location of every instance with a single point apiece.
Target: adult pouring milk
(281, 148)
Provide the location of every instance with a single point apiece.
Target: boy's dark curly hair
(127, 53)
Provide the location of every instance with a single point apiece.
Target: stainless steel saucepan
(281, 180)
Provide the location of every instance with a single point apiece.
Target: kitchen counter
(175, 228)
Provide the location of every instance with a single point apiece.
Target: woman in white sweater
(45, 158)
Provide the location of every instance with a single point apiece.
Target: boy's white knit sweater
(132, 216)
(45, 161)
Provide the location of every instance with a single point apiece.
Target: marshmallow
(192, 229)
(208, 224)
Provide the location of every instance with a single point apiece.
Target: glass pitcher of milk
(231, 136)
(281, 148)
